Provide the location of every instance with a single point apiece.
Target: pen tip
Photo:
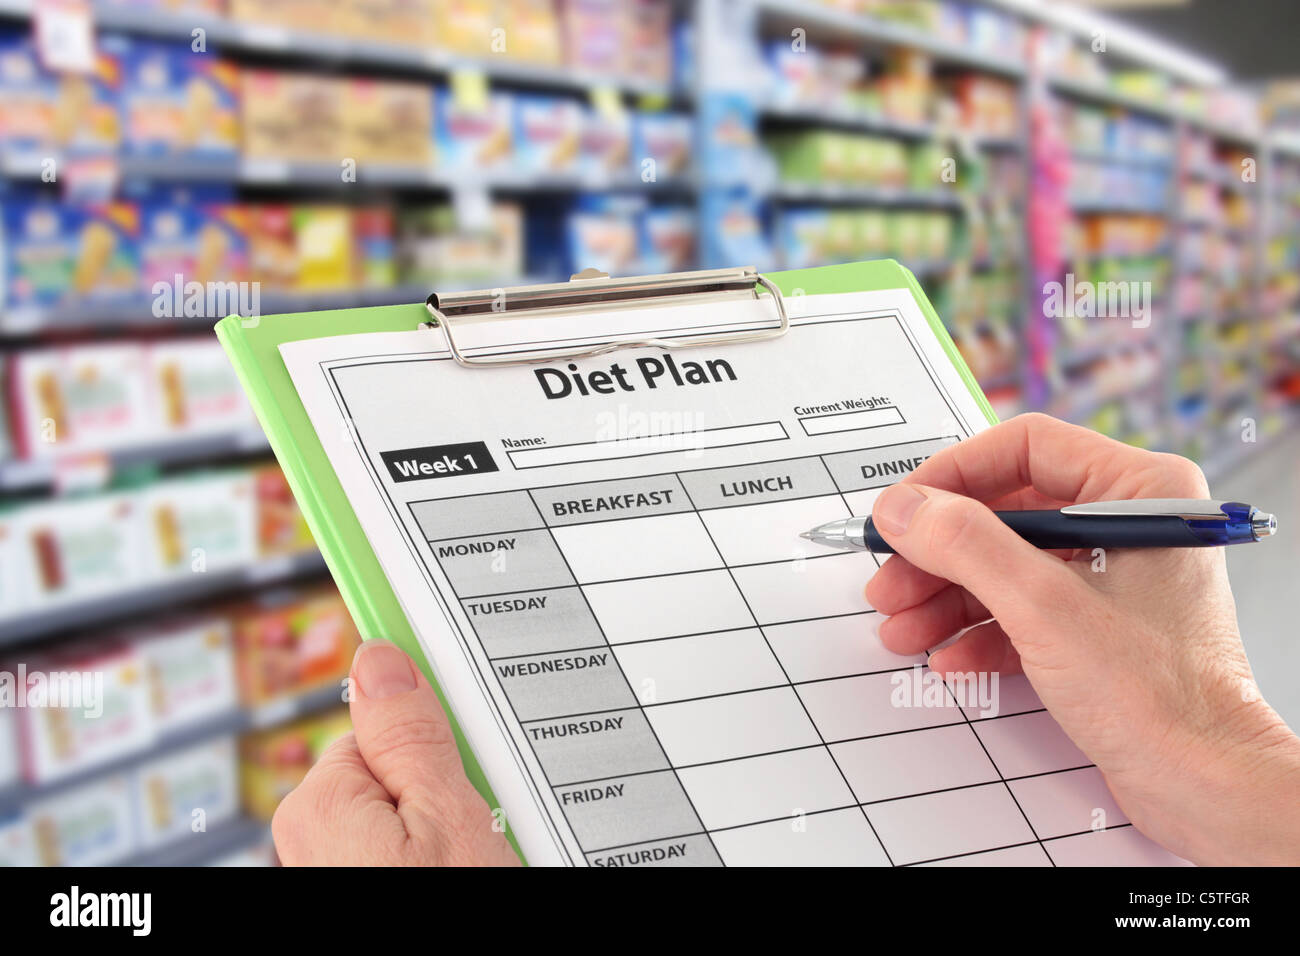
(806, 535)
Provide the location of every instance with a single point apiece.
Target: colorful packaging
(604, 234)
(187, 792)
(291, 117)
(193, 255)
(17, 841)
(668, 239)
(60, 253)
(103, 695)
(199, 525)
(195, 388)
(474, 137)
(647, 40)
(291, 643)
(433, 248)
(176, 102)
(91, 825)
(13, 575)
(465, 26)
(534, 34)
(664, 138)
(28, 96)
(594, 35)
(401, 22)
(191, 670)
(547, 132)
(273, 762)
(323, 243)
(387, 122)
(606, 149)
(373, 229)
(79, 398)
(272, 246)
(281, 526)
(76, 549)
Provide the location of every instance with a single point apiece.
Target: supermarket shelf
(1109, 206)
(846, 26)
(122, 604)
(237, 721)
(283, 173)
(863, 195)
(200, 849)
(810, 114)
(1116, 158)
(232, 36)
(1092, 92)
(41, 473)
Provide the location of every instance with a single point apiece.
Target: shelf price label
(65, 35)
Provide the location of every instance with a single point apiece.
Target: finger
(932, 622)
(985, 648)
(404, 735)
(899, 585)
(338, 815)
(1062, 461)
(960, 539)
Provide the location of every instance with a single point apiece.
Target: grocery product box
(13, 575)
(547, 133)
(17, 841)
(187, 792)
(605, 151)
(195, 388)
(190, 665)
(281, 526)
(102, 692)
(323, 247)
(474, 136)
(198, 525)
(288, 643)
(292, 117)
(668, 239)
(90, 825)
(194, 258)
(75, 549)
(373, 231)
(273, 762)
(534, 30)
(79, 398)
(432, 247)
(664, 138)
(59, 252)
(174, 101)
(594, 35)
(387, 122)
(399, 22)
(465, 26)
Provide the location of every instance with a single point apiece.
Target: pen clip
(1201, 509)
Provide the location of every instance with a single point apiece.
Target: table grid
(736, 740)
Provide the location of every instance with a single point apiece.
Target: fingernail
(895, 507)
(382, 670)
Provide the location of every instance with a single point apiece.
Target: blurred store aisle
(1264, 577)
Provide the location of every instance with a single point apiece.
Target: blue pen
(1140, 523)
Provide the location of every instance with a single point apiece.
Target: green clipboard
(253, 348)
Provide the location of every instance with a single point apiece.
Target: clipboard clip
(591, 288)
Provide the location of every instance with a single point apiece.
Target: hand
(1141, 664)
(393, 792)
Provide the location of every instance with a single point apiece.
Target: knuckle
(406, 729)
(1185, 477)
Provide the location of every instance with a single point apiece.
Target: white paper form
(601, 560)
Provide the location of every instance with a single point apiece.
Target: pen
(1140, 523)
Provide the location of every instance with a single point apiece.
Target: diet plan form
(601, 560)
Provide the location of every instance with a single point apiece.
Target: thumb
(402, 732)
(960, 539)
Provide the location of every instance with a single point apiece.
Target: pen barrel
(1051, 529)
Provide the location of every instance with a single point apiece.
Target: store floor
(1266, 577)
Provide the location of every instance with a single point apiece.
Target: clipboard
(252, 345)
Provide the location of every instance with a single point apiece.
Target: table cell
(626, 810)
(610, 550)
(851, 707)
(877, 467)
(670, 606)
(737, 725)
(557, 685)
(492, 564)
(834, 647)
(1012, 694)
(898, 765)
(834, 838)
(771, 787)
(771, 532)
(1122, 847)
(681, 668)
(806, 589)
(1029, 743)
(946, 824)
(687, 851)
(595, 746)
(756, 484)
(533, 622)
(611, 500)
(1030, 854)
(476, 514)
(862, 502)
(1058, 804)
